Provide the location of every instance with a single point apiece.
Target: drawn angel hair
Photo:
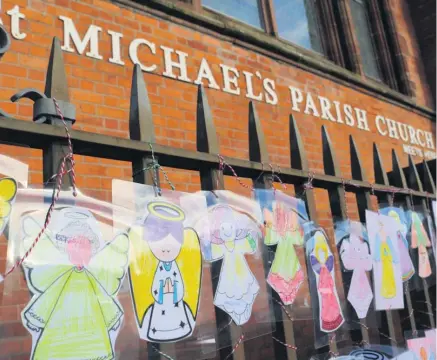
(165, 274)
(74, 277)
(407, 267)
(8, 191)
(282, 228)
(385, 254)
(420, 240)
(355, 255)
(322, 263)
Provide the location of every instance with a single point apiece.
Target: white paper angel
(234, 233)
(74, 277)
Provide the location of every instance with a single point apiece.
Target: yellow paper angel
(165, 274)
(74, 277)
(8, 191)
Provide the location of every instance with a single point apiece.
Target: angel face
(79, 251)
(167, 249)
(321, 248)
(164, 230)
(358, 248)
(79, 241)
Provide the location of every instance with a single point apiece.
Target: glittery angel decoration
(354, 252)
(8, 191)
(74, 276)
(165, 274)
(234, 233)
(322, 263)
(420, 240)
(282, 216)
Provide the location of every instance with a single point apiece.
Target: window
(247, 11)
(297, 22)
(363, 31)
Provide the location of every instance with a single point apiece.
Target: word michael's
(256, 86)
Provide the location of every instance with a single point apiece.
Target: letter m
(91, 38)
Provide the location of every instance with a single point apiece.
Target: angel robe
(74, 308)
(330, 311)
(355, 256)
(169, 318)
(237, 287)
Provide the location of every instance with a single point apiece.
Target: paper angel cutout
(355, 255)
(407, 267)
(165, 274)
(233, 234)
(74, 278)
(420, 240)
(322, 263)
(386, 255)
(8, 191)
(282, 228)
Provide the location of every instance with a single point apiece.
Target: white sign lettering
(257, 87)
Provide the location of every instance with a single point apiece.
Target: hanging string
(160, 352)
(281, 304)
(67, 159)
(155, 167)
(289, 346)
(236, 346)
(346, 207)
(274, 176)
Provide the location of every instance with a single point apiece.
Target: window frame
(335, 18)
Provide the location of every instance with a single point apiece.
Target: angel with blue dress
(74, 276)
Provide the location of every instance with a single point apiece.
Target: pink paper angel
(355, 255)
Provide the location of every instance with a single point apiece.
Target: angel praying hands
(233, 234)
(74, 277)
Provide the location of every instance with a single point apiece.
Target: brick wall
(100, 90)
(422, 15)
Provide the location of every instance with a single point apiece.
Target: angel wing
(108, 266)
(45, 263)
(8, 191)
(190, 266)
(142, 267)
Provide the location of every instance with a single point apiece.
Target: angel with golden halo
(165, 273)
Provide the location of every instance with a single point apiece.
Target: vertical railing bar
(429, 186)
(364, 202)
(141, 128)
(212, 179)
(416, 184)
(258, 153)
(399, 180)
(337, 199)
(299, 161)
(381, 177)
(56, 87)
